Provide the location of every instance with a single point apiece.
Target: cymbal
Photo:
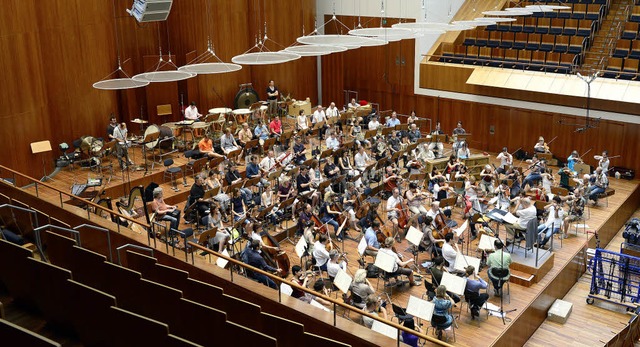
(242, 111)
(139, 121)
(219, 110)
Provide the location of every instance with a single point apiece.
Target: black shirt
(269, 90)
(231, 176)
(298, 150)
(328, 168)
(303, 179)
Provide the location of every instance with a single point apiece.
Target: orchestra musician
(393, 120)
(371, 236)
(436, 146)
(541, 146)
(232, 177)
(267, 163)
(374, 123)
(332, 111)
(506, 160)
(328, 215)
(472, 291)
(412, 119)
(463, 152)
(572, 160)
(205, 145)
(348, 202)
(332, 141)
(450, 250)
(191, 112)
(415, 200)
(458, 130)
(390, 180)
(334, 265)
(275, 127)
(228, 142)
(554, 220)
(196, 195)
(272, 97)
(317, 117)
(251, 256)
(261, 131)
(394, 206)
(353, 104)
(360, 288)
(601, 184)
(442, 306)
(122, 148)
(414, 133)
(244, 135)
(429, 242)
(504, 196)
(526, 213)
(376, 307)
(399, 267)
(498, 262)
(163, 211)
(113, 124)
(486, 179)
(437, 270)
(534, 174)
(298, 151)
(287, 191)
(320, 253)
(603, 161)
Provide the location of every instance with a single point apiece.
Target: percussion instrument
(91, 144)
(245, 96)
(164, 133)
(200, 127)
(139, 121)
(185, 123)
(177, 131)
(220, 110)
(240, 114)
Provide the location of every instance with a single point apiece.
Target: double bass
(277, 258)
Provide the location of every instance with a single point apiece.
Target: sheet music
(494, 200)
(420, 308)
(221, 262)
(385, 261)
(461, 264)
(343, 281)
(385, 329)
(362, 246)
(414, 236)
(462, 228)
(319, 305)
(286, 289)
(487, 243)
(454, 283)
(509, 218)
(301, 247)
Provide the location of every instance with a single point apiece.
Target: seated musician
(506, 160)
(412, 118)
(220, 241)
(534, 176)
(553, 224)
(390, 180)
(526, 211)
(348, 202)
(540, 146)
(332, 141)
(298, 151)
(331, 172)
(371, 236)
(414, 133)
(601, 184)
(261, 131)
(498, 263)
(374, 124)
(332, 111)
(196, 195)
(267, 163)
(376, 307)
(213, 182)
(328, 215)
(239, 208)
(458, 130)
(442, 303)
(565, 175)
(320, 253)
(304, 183)
(361, 159)
(572, 160)
(576, 202)
(286, 190)
(472, 291)
(360, 288)
(436, 146)
(393, 120)
(163, 211)
(353, 104)
(304, 220)
(253, 169)
(244, 135)
(275, 127)
(251, 256)
(232, 177)
(228, 142)
(429, 242)
(486, 179)
(319, 287)
(394, 204)
(302, 122)
(399, 267)
(415, 199)
(302, 279)
(450, 250)
(436, 276)
(344, 163)
(334, 265)
(393, 142)
(440, 189)
(206, 147)
(463, 151)
(504, 196)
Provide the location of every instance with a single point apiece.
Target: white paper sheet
(462, 228)
(420, 308)
(454, 283)
(319, 305)
(362, 246)
(286, 289)
(221, 262)
(462, 261)
(487, 243)
(385, 329)
(343, 281)
(300, 247)
(385, 261)
(414, 236)
(509, 218)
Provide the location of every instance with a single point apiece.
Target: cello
(277, 258)
(441, 228)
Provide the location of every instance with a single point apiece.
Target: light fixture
(382, 33)
(497, 19)
(314, 50)
(514, 12)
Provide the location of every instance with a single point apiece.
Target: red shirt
(275, 126)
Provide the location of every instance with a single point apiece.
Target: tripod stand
(42, 147)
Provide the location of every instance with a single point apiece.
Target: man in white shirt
(332, 111)
(267, 163)
(191, 112)
(526, 214)
(361, 159)
(448, 251)
(353, 104)
(319, 115)
(122, 149)
(373, 123)
(332, 142)
(394, 204)
(320, 253)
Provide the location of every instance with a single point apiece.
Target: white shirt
(333, 268)
(505, 159)
(394, 255)
(449, 254)
(120, 134)
(392, 202)
(361, 160)
(332, 143)
(267, 163)
(374, 125)
(526, 215)
(319, 116)
(604, 164)
(320, 253)
(302, 122)
(332, 112)
(191, 113)
(552, 220)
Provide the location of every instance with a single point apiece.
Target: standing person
(120, 135)
(472, 291)
(163, 211)
(113, 124)
(603, 161)
(498, 263)
(191, 112)
(272, 97)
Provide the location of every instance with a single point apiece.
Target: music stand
(463, 137)
(326, 153)
(402, 127)
(387, 131)
(422, 140)
(396, 155)
(308, 162)
(250, 145)
(268, 143)
(38, 148)
(251, 182)
(370, 133)
(324, 184)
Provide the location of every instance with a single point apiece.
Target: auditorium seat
(543, 26)
(630, 69)
(630, 31)
(635, 49)
(622, 49)
(614, 67)
(19, 336)
(561, 44)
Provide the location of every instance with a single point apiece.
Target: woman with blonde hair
(360, 288)
(442, 319)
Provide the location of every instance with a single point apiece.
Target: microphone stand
(502, 312)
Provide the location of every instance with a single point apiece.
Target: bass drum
(245, 98)
(150, 130)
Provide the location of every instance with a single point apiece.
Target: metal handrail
(62, 193)
(37, 231)
(130, 245)
(105, 230)
(335, 303)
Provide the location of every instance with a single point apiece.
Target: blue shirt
(252, 170)
(391, 122)
(371, 238)
(474, 286)
(261, 132)
(571, 162)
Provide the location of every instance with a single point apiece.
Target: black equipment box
(627, 174)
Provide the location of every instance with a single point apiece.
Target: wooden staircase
(604, 42)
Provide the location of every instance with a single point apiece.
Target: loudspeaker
(150, 10)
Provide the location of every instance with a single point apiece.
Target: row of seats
(593, 11)
(554, 26)
(84, 291)
(631, 31)
(622, 68)
(515, 59)
(634, 16)
(627, 49)
(531, 42)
